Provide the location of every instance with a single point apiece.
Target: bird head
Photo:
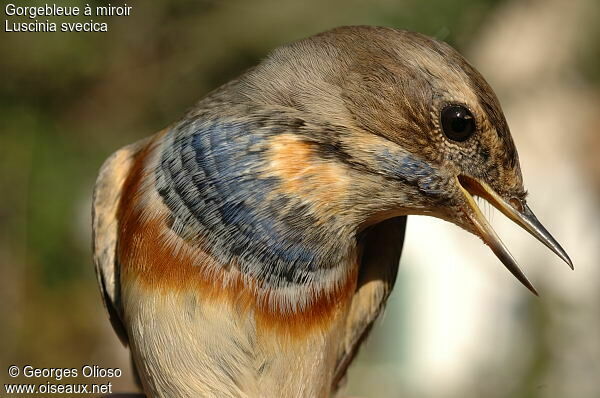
(422, 131)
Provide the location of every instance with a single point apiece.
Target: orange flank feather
(305, 174)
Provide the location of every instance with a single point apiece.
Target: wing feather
(381, 249)
(107, 194)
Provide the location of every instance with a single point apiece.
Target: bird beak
(518, 212)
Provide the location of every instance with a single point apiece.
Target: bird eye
(457, 122)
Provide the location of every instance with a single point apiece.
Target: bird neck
(267, 212)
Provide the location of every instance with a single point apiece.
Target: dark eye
(457, 122)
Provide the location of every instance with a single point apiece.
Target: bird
(247, 249)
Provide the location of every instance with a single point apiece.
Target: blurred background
(457, 324)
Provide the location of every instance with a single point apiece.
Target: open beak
(518, 212)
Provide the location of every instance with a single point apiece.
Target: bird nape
(247, 249)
